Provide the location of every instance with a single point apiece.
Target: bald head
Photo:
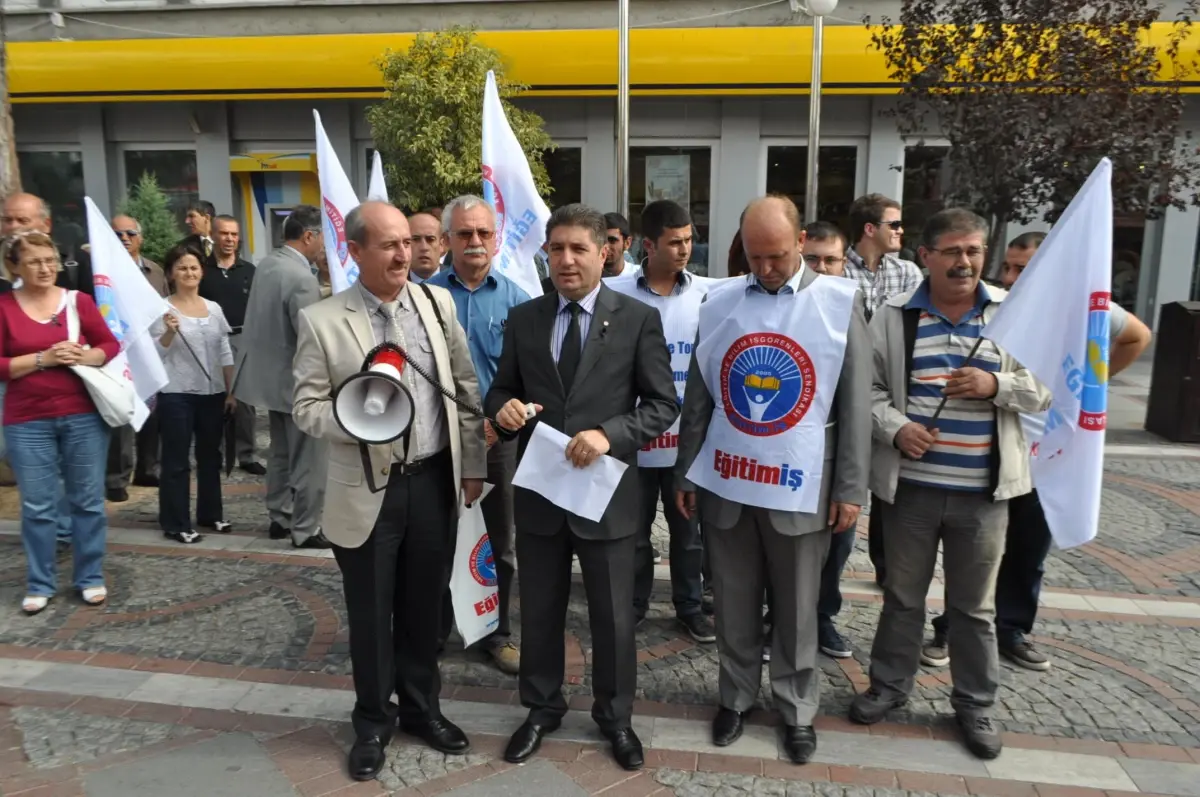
(381, 243)
(25, 212)
(772, 237)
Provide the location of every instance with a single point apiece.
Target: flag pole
(623, 107)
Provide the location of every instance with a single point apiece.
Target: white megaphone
(373, 406)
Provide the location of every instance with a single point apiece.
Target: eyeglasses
(828, 261)
(45, 263)
(466, 235)
(127, 233)
(896, 224)
(973, 253)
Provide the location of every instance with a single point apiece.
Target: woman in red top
(54, 434)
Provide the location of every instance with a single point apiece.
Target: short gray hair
(952, 220)
(137, 225)
(582, 216)
(464, 203)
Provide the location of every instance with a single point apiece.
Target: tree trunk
(995, 253)
(10, 171)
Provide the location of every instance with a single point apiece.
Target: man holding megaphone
(399, 452)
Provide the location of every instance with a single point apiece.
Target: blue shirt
(483, 313)
(960, 459)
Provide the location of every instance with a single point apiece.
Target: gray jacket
(284, 284)
(1017, 391)
(847, 439)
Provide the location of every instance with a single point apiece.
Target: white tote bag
(473, 589)
(111, 390)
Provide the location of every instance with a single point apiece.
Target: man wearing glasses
(483, 297)
(948, 456)
(428, 247)
(121, 448)
(877, 232)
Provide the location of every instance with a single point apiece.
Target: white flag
(337, 200)
(129, 306)
(377, 188)
(1056, 323)
(521, 215)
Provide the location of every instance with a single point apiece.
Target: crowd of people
(763, 412)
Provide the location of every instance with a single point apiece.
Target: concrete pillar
(212, 154)
(599, 168)
(336, 118)
(1171, 278)
(95, 155)
(885, 152)
(736, 180)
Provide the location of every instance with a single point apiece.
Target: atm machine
(274, 216)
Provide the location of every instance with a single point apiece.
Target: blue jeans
(47, 455)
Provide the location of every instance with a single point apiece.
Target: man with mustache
(483, 297)
(947, 480)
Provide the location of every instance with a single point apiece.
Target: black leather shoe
(366, 758)
(118, 495)
(627, 749)
(800, 742)
(253, 468)
(441, 734)
(526, 741)
(315, 542)
(278, 532)
(145, 481)
(727, 727)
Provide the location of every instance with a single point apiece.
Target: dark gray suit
(749, 546)
(623, 386)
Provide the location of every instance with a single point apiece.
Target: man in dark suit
(595, 365)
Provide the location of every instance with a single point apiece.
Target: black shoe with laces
(980, 735)
(189, 537)
(832, 643)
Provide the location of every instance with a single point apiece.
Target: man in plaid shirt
(876, 229)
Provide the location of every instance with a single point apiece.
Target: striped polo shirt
(960, 459)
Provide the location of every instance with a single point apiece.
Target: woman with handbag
(193, 340)
(55, 435)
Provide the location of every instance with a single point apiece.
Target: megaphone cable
(408, 361)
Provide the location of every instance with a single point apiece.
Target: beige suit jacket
(333, 337)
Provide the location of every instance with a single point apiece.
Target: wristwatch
(37, 361)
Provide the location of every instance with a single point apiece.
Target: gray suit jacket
(624, 386)
(283, 286)
(847, 441)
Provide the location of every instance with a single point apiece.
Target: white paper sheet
(546, 470)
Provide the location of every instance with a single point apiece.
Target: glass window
(926, 180)
(565, 167)
(57, 177)
(175, 170)
(683, 174)
(787, 173)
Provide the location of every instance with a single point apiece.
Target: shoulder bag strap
(72, 316)
(437, 311)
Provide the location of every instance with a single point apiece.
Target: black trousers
(686, 552)
(545, 564)
(830, 601)
(1027, 543)
(393, 585)
(122, 443)
(184, 417)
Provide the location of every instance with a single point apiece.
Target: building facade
(216, 100)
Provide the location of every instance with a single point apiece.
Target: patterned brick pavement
(1121, 684)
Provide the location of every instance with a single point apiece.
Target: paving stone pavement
(1119, 680)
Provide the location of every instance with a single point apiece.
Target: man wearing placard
(666, 285)
(774, 446)
(594, 365)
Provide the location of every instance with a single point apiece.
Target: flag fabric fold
(129, 305)
(1056, 323)
(377, 188)
(508, 185)
(337, 200)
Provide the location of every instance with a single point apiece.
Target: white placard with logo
(771, 364)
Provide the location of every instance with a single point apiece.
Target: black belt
(421, 465)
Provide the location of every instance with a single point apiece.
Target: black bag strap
(912, 318)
